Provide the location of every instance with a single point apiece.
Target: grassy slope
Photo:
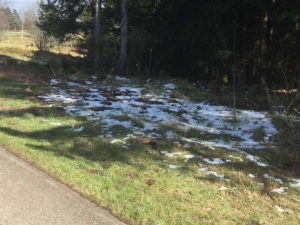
(136, 185)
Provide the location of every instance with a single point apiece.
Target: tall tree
(16, 20)
(4, 24)
(30, 20)
(98, 51)
(124, 37)
(9, 17)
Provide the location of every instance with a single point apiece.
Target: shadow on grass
(35, 111)
(64, 142)
(24, 80)
(91, 147)
(86, 144)
(71, 144)
(39, 63)
(11, 88)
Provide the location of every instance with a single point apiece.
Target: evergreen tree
(17, 24)
(9, 17)
(196, 39)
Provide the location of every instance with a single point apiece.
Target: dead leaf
(150, 182)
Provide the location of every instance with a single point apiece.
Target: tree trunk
(124, 36)
(234, 69)
(98, 52)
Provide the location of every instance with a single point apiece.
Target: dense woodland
(199, 40)
(252, 44)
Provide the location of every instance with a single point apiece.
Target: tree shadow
(35, 111)
(91, 148)
(70, 144)
(40, 65)
(26, 79)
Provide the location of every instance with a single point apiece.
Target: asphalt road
(30, 197)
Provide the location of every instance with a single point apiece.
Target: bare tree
(30, 20)
(4, 24)
(124, 37)
(4, 3)
(98, 51)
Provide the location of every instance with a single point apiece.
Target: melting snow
(79, 129)
(188, 157)
(174, 166)
(280, 190)
(279, 209)
(55, 124)
(170, 86)
(273, 178)
(98, 99)
(222, 188)
(121, 78)
(210, 172)
(117, 140)
(214, 161)
(256, 160)
(53, 81)
(296, 183)
(251, 175)
(171, 154)
(234, 157)
(104, 101)
(186, 145)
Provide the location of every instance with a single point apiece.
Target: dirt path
(30, 197)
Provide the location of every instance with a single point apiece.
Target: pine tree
(17, 24)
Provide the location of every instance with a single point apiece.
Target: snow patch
(277, 180)
(251, 175)
(234, 157)
(281, 210)
(222, 188)
(280, 190)
(210, 172)
(188, 157)
(55, 124)
(170, 86)
(214, 161)
(256, 160)
(116, 141)
(174, 166)
(296, 183)
(166, 153)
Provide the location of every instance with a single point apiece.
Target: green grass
(259, 134)
(117, 178)
(15, 33)
(136, 184)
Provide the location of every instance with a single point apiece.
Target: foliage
(13, 18)
(193, 38)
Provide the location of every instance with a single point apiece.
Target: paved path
(30, 197)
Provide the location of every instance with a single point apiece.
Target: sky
(21, 4)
